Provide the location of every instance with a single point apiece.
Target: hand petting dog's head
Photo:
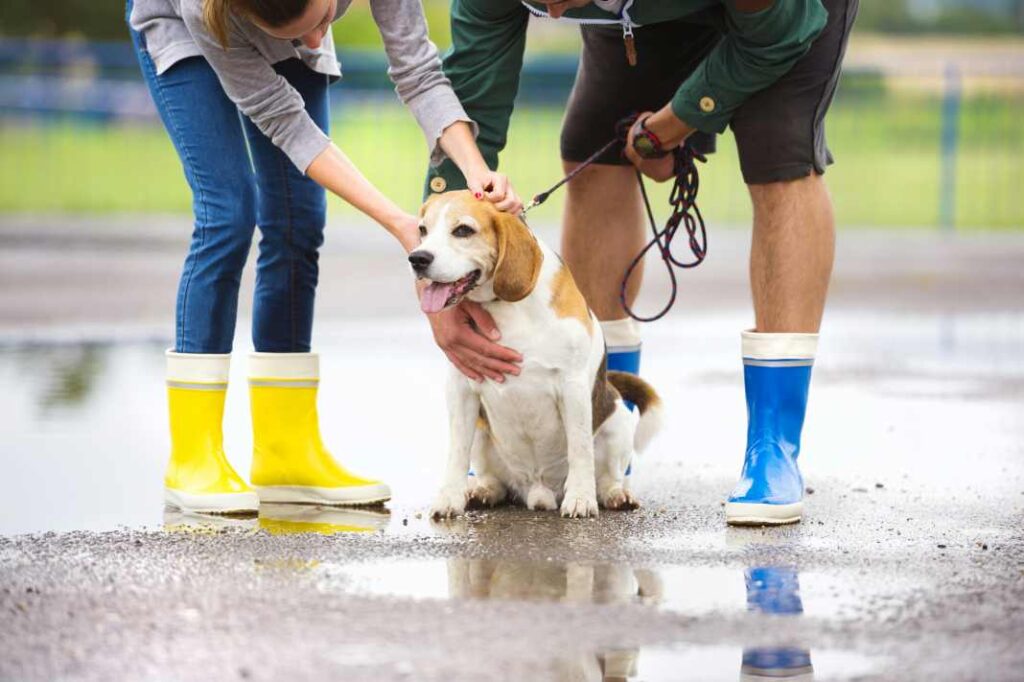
(468, 248)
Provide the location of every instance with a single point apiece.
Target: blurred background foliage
(927, 127)
(103, 20)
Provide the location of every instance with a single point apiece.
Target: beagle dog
(559, 434)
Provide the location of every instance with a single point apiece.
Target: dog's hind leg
(613, 451)
(485, 488)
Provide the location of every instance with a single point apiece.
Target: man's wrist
(668, 128)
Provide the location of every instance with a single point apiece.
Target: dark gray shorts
(780, 132)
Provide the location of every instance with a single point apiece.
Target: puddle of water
(761, 591)
(88, 419)
(728, 663)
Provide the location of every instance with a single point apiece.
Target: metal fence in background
(930, 136)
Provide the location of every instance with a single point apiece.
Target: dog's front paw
(579, 505)
(450, 502)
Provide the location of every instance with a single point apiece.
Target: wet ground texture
(909, 563)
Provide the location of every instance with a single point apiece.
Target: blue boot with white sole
(776, 374)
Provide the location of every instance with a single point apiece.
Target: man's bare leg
(790, 265)
(791, 254)
(602, 231)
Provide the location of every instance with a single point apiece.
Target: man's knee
(600, 182)
(780, 198)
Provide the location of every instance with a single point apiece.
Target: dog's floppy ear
(519, 258)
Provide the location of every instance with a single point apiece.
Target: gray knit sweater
(173, 30)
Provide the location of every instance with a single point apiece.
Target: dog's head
(468, 245)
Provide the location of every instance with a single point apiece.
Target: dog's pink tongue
(434, 297)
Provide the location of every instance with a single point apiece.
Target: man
(767, 68)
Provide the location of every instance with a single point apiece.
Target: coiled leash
(685, 213)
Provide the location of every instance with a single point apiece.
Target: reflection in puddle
(177, 521)
(775, 591)
(768, 592)
(283, 519)
(286, 519)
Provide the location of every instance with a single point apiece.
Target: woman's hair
(217, 13)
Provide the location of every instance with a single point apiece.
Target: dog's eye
(423, 230)
(463, 231)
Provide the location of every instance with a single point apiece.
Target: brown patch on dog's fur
(567, 299)
(634, 389)
(603, 396)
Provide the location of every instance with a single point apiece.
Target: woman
(205, 61)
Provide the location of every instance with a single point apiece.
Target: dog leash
(685, 213)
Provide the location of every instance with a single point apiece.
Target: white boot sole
(345, 496)
(750, 514)
(218, 503)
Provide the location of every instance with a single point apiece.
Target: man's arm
(483, 64)
(765, 40)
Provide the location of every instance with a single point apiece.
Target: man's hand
(467, 334)
(670, 131)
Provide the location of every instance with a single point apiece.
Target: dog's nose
(421, 260)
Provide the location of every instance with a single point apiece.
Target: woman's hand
(406, 229)
(496, 188)
(467, 334)
(458, 143)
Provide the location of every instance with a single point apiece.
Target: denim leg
(291, 212)
(203, 125)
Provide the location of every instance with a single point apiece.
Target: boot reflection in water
(775, 591)
(288, 519)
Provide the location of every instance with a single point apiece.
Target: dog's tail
(648, 403)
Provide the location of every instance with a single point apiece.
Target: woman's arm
(415, 68)
(458, 143)
(333, 170)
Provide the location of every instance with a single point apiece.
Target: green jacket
(489, 36)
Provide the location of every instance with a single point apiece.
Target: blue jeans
(239, 179)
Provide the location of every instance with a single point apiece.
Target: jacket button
(707, 105)
(438, 184)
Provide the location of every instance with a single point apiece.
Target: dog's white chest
(526, 427)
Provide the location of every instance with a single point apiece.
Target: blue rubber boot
(775, 590)
(776, 373)
(622, 340)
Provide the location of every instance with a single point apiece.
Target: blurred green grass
(887, 171)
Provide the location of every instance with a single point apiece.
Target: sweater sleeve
(759, 48)
(415, 68)
(260, 93)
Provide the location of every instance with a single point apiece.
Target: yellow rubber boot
(199, 477)
(290, 462)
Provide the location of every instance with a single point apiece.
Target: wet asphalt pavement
(909, 564)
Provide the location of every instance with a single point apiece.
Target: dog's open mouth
(439, 295)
